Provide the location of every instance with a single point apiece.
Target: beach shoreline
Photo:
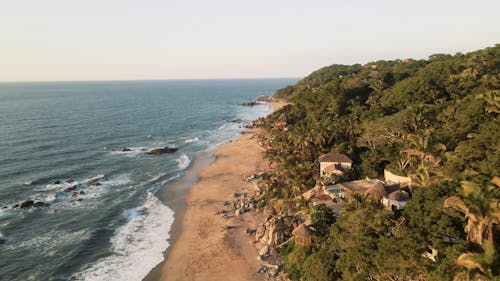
(199, 248)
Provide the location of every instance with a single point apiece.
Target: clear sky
(53, 40)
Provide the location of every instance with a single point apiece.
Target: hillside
(435, 121)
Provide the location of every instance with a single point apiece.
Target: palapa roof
(302, 230)
(332, 157)
(377, 190)
(400, 195)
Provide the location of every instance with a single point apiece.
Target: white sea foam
(183, 162)
(190, 140)
(50, 241)
(130, 151)
(122, 179)
(137, 246)
(157, 177)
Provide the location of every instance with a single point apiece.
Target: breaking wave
(183, 162)
(137, 246)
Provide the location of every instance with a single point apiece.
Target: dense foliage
(435, 120)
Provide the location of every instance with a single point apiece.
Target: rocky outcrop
(26, 204)
(276, 230)
(240, 205)
(69, 189)
(252, 103)
(40, 204)
(164, 150)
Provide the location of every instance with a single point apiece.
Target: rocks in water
(126, 149)
(26, 204)
(69, 189)
(95, 184)
(82, 192)
(236, 120)
(30, 203)
(252, 103)
(164, 150)
(40, 204)
(3, 241)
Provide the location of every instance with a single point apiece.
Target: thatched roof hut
(400, 195)
(377, 191)
(303, 235)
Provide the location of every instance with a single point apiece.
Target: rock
(82, 192)
(15, 206)
(26, 204)
(126, 149)
(160, 151)
(252, 103)
(79, 199)
(40, 204)
(260, 232)
(5, 207)
(236, 120)
(74, 194)
(237, 212)
(95, 184)
(52, 211)
(3, 241)
(264, 251)
(69, 189)
(70, 181)
(56, 182)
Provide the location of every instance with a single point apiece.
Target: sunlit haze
(55, 40)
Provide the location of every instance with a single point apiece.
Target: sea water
(62, 143)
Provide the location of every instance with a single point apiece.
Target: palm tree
(481, 207)
(479, 264)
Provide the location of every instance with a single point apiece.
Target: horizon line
(144, 80)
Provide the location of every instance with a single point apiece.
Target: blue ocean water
(61, 143)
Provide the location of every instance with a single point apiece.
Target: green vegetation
(435, 120)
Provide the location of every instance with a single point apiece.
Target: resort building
(334, 164)
(391, 196)
(370, 187)
(397, 200)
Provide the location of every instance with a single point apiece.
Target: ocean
(62, 144)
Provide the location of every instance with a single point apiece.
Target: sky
(72, 40)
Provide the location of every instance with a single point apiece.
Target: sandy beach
(203, 246)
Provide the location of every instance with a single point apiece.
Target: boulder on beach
(164, 150)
